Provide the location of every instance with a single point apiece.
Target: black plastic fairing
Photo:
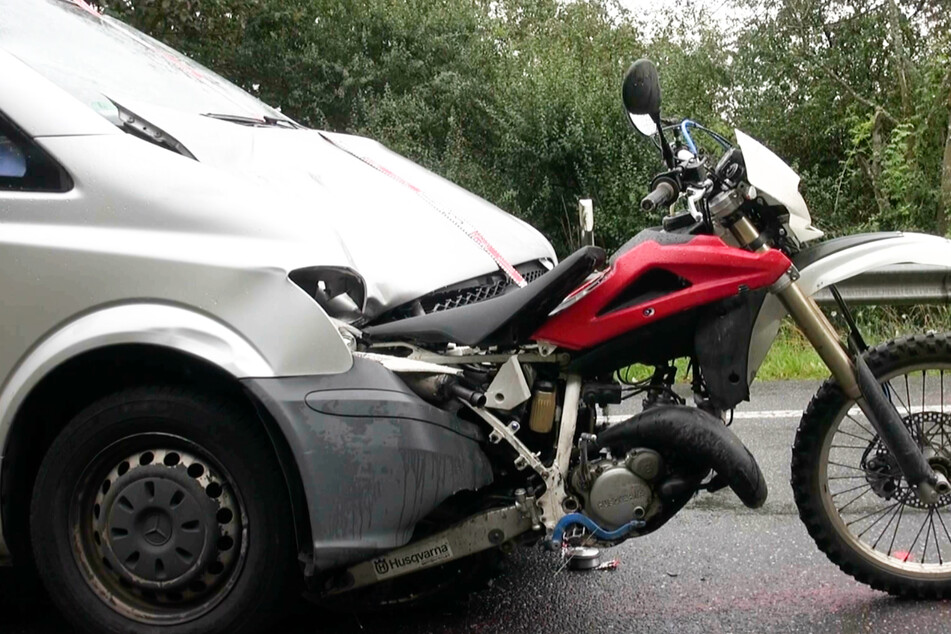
(722, 344)
(652, 235)
(652, 285)
(654, 344)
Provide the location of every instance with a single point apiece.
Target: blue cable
(688, 138)
(686, 134)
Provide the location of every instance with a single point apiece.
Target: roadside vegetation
(518, 100)
(793, 358)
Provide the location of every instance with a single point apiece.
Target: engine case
(617, 491)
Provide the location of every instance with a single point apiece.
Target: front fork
(851, 373)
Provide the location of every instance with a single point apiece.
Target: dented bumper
(373, 457)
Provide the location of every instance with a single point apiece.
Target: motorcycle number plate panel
(657, 278)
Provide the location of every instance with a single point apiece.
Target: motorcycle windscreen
(777, 181)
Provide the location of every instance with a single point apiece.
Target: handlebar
(664, 193)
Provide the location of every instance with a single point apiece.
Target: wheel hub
(882, 470)
(165, 527)
(158, 527)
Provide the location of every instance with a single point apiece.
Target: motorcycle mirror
(643, 124)
(641, 89)
(640, 92)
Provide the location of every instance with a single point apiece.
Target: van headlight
(339, 290)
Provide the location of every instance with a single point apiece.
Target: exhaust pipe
(692, 434)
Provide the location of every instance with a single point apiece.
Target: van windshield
(97, 58)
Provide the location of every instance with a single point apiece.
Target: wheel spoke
(914, 542)
(907, 393)
(855, 488)
(941, 519)
(937, 545)
(901, 513)
(894, 513)
(839, 464)
(930, 520)
(892, 390)
(871, 435)
(849, 503)
(845, 433)
(883, 512)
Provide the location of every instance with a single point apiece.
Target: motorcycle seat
(505, 320)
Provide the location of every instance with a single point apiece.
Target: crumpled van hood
(398, 241)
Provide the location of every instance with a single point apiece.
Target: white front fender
(860, 254)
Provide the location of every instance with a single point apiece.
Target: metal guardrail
(899, 284)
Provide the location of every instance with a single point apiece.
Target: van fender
(163, 325)
(839, 259)
(143, 323)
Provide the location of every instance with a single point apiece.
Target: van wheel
(162, 509)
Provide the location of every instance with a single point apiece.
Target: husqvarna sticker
(504, 265)
(392, 565)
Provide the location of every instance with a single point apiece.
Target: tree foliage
(518, 100)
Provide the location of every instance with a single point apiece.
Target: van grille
(464, 293)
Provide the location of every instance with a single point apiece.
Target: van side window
(12, 159)
(24, 166)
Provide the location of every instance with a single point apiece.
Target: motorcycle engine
(617, 491)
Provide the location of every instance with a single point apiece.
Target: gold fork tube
(823, 337)
(808, 316)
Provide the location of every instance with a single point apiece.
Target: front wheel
(163, 510)
(850, 492)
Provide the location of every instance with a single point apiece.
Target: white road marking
(787, 413)
(776, 413)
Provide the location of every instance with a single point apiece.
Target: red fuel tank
(654, 276)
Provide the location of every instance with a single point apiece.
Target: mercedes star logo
(159, 530)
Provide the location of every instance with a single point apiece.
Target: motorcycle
(532, 366)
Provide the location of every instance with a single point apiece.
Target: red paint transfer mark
(180, 65)
(479, 239)
(85, 6)
(458, 222)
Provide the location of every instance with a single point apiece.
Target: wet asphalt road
(716, 567)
